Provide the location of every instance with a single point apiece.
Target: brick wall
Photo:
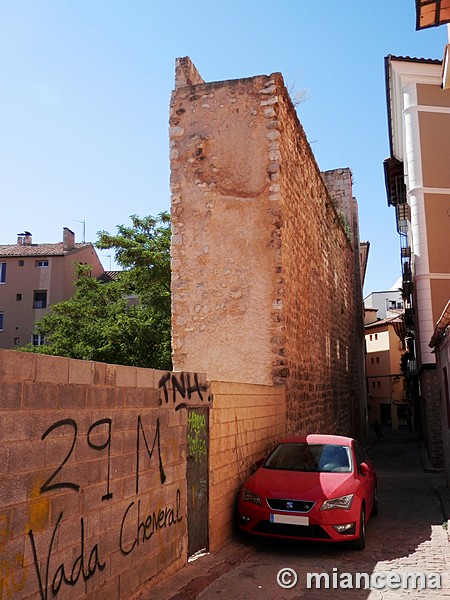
(246, 422)
(266, 280)
(93, 467)
(82, 512)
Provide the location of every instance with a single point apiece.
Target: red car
(316, 487)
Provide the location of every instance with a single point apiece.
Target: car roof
(319, 438)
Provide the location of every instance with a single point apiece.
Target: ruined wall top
(186, 73)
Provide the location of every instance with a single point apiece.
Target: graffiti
(153, 522)
(197, 442)
(157, 437)
(52, 574)
(48, 486)
(182, 386)
(196, 422)
(61, 575)
(200, 492)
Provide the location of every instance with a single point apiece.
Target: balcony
(395, 182)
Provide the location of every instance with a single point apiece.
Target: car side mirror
(256, 465)
(364, 469)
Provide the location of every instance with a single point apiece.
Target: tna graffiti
(184, 385)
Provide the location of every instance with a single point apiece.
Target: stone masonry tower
(265, 287)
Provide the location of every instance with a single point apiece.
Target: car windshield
(301, 456)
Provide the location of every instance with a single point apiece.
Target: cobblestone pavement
(406, 536)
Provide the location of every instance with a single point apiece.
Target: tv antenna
(84, 228)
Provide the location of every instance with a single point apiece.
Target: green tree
(126, 321)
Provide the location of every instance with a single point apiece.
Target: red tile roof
(38, 249)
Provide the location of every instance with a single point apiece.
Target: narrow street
(406, 536)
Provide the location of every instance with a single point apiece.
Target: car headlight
(342, 502)
(249, 496)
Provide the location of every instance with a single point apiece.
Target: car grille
(290, 505)
(301, 531)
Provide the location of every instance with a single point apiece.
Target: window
(371, 337)
(376, 336)
(16, 341)
(38, 339)
(18, 297)
(371, 360)
(40, 299)
(379, 383)
(21, 263)
(378, 360)
(1, 321)
(2, 272)
(41, 263)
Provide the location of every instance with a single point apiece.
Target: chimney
(68, 239)
(24, 238)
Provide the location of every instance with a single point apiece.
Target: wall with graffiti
(92, 475)
(101, 464)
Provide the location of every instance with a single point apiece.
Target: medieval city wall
(264, 282)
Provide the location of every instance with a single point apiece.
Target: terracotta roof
(385, 321)
(108, 276)
(441, 326)
(434, 61)
(38, 249)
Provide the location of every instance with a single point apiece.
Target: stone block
(17, 366)
(52, 369)
(10, 395)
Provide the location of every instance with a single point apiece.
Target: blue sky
(86, 87)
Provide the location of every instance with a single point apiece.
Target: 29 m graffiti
(53, 569)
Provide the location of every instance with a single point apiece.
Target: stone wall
(265, 288)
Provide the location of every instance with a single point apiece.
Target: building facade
(386, 384)
(418, 186)
(32, 278)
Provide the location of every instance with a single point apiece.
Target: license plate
(289, 519)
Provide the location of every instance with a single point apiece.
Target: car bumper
(321, 524)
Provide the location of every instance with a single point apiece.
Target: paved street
(406, 536)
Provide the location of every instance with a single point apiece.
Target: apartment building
(386, 384)
(418, 187)
(387, 303)
(35, 276)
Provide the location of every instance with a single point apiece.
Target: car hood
(296, 485)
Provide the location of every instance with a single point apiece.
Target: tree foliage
(125, 321)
